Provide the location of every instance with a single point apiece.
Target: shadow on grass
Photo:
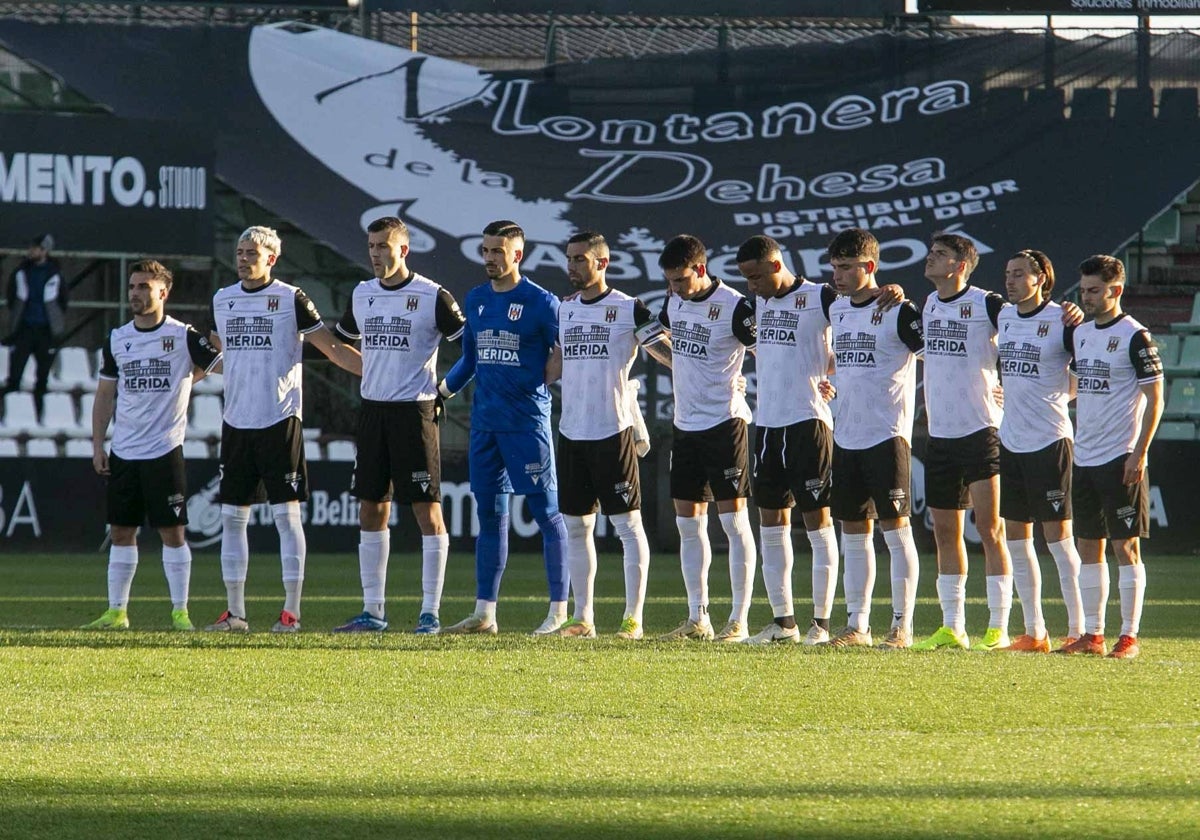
(588, 807)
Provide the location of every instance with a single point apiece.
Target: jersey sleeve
(647, 329)
(449, 317)
(994, 303)
(201, 350)
(348, 325)
(307, 316)
(663, 317)
(550, 323)
(909, 329)
(108, 364)
(1069, 340)
(745, 327)
(828, 296)
(1143, 353)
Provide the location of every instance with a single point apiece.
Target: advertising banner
(107, 185)
(903, 136)
(57, 505)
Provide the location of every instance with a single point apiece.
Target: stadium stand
(78, 448)
(1091, 104)
(339, 450)
(206, 417)
(41, 448)
(58, 416)
(1168, 348)
(1180, 104)
(1176, 430)
(312, 450)
(1192, 325)
(20, 417)
(1183, 399)
(73, 371)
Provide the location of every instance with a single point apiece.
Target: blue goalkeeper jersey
(506, 342)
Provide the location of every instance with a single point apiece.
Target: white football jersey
(598, 340)
(709, 337)
(261, 338)
(1111, 363)
(153, 372)
(793, 355)
(960, 362)
(401, 328)
(1035, 358)
(875, 354)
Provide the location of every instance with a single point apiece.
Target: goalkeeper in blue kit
(510, 334)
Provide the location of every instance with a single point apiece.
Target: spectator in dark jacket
(37, 303)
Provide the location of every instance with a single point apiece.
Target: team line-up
(1009, 453)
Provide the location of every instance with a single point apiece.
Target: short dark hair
(506, 229)
(594, 241)
(1109, 269)
(1041, 264)
(758, 248)
(963, 249)
(854, 244)
(682, 251)
(389, 223)
(45, 241)
(154, 268)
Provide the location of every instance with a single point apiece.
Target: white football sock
(777, 560)
(485, 609)
(292, 551)
(581, 563)
(999, 600)
(743, 557)
(177, 566)
(1093, 591)
(906, 569)
(1131, 580)
(1066, 557)
(1027, 579)
(858, 575)
(122, 564)
(952, 592)
(636, 550)
(374, 548)
(824, 570)
(695, 557)
(435, 550)
(235, 556)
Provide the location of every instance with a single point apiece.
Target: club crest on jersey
(714, 312)
(876, 317)
(801, 301)
(515, 310)
(1043, 330)
(1113, 343)
(412, 304)
(273, 303)
(168, 345)
(964, 311)
(610, 314)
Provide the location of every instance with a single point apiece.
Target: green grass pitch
(146, 734)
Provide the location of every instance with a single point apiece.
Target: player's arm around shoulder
(337, 351)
